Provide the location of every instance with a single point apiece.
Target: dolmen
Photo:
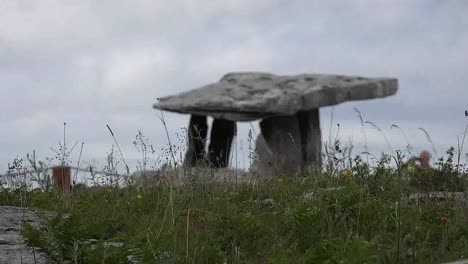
(286, 105)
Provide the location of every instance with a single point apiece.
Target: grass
(352, 211)
(356, 215)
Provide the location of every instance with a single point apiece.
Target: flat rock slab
(248, 96)
(462, 261)
(460, 198)
(12, 247)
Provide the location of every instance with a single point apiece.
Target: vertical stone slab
(197, 132)
(311, 138)
(282, 135)
(262, 160)
(222, 135)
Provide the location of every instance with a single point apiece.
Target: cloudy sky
(90, 63)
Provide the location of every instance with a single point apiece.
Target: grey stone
(460, 198)
(288, 144)
(282, 136)
(311, 138)
(197, 133)
(222, 135)
(248, 96)
(289, 109)
(262, 162)
(13, 248)
(188, 175)
(461, 261)
(146, 177)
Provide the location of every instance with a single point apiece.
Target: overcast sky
(90, 63)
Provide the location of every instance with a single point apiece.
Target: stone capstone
(248, 96)
(288, 106)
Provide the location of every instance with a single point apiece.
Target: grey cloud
(92, 63)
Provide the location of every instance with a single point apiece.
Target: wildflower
(139, 196)
(109, 190)
(280, 180)
(347, 173)
(444, 220)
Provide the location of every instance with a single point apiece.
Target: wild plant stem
(120, 151)
(78, 164)
(168, 138)
(460, 148)
(187, 236)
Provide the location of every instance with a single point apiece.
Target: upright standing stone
(222, 134)
(282, 135)
(311, 138)
(197, 132)
(262, 159)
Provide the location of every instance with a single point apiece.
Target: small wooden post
(62, 179)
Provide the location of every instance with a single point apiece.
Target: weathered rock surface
(248, 96)
(12, 247)
(222, 135)
(311, 138)
(263, 159)
(183, 175)
(462, 261)
(460, 198)
(283, 138)
(196, 134)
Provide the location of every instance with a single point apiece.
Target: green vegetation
(348, 214)
(352, 211)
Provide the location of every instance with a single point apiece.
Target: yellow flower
(280, 180)
(347, 173)
(412, 168)
(139, 196)
(109, 190)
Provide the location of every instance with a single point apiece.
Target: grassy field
(345, 214)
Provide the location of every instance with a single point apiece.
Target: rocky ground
(12, 247)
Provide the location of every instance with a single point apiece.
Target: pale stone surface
(289, 109)
(460, 198)
(462, 261)
(263, 159)
(145, 177)
(12, 247)
(248, 96)
(184, 175)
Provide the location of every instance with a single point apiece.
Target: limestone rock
(13, 248)
(282, 135)
(263, 159)
(247, 96)
(460, 198)
(183, 175)
(196, 134)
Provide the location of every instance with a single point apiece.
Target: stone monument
(288, 107)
